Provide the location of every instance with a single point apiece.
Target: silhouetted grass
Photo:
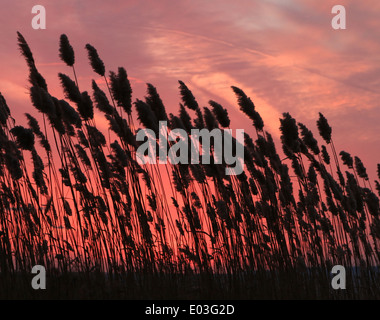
(75, 199)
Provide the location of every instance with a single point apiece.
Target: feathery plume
(38, 175)
(220, 113)
(248, 107)
(42, 100)
(82, 155)
(289, 132)
(96, 137)
(308, 139)
(33, 124)
(120, 153)
(311, 175)
(36, 79)
(325, 155)
(13, 165)
(199, 121)
(25, 50)
(96, 63)
(324, 128)
(347, 159)
(176, 122)
(154, 101)
(24, 137)
(69, 114)
(187, 97)
(82, 139)
(373, 202)
(209, 118)
(85, 107)
(70, 89)
(4, 110)
(66, 52)
(101, 100)
(121, 89)
(360, 169)
(55, 118)
(146, 116)
(185, 118)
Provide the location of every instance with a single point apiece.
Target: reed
(87, 208)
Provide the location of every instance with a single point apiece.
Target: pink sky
(283, 54)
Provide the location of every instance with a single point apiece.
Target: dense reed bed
(76, 200)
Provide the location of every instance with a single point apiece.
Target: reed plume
(95, 61)
(66, 51)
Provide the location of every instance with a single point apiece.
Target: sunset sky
(283, 54)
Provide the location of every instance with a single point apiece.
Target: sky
(285, 55)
